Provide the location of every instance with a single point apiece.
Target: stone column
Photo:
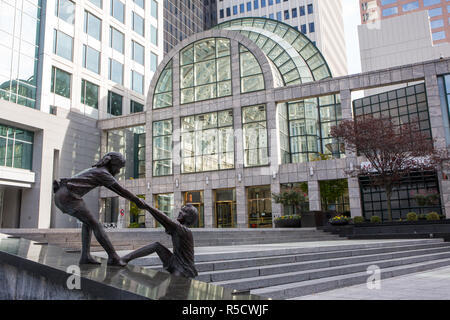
(314, 196)
(208, 207)
(241, 205)
(355, 197)
(123, 221)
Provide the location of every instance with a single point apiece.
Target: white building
(320, 20)
(397, 41)
(64, 65)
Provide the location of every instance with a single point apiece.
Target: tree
(392, 151)
(291, 197)
(331, 191)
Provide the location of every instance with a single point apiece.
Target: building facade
(437, 11)
(320, 20)
(66, 64)
(183, 18)
(244, 110)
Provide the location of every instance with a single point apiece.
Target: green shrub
(134, 225)
(432, 216)
(375, 219)
(358, 219)
(422, 216)
(412, 216)
(289, 217)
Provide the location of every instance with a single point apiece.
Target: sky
(351, 21)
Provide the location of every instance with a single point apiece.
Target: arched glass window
(205, 70)
(252, 78)
(163, 92)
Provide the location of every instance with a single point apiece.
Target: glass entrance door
(259, 207)
(195, 198)
(224, 214)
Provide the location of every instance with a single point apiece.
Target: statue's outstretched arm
(161, 217)
(121, 191)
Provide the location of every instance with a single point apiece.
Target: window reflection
(207, 142)
(205, 71)
(255, 136)
(163, 91)
(131, 143)
(162, 148)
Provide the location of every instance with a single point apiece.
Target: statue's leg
(163, 253)
(83, 214)
(86, 236)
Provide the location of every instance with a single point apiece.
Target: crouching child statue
(181, 261)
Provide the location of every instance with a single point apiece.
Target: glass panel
(61, 82)
(131, 143)
(187, 55)
(89, 94)
(117, 40)
(66, 11)
(223, 69)
(91, 58)
(187, 76)
(114, 104)
(205, 72)
(252, 83)
(138, 24)
(115, 71)
(63, 45)
(93, 26)
(224, 89)
(138, 53)
(204, 50)
(118, 10)
(205, 92)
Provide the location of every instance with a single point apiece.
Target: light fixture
(177, 184)
(148, 185)
(207, 180)
(311, 171)
(351, 166)
(239, 177)
(274, 175)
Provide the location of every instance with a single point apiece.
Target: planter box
(313, 219)
(288, 223)
(402, 223)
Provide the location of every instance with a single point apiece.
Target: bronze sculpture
(68, 198)
(181, 261)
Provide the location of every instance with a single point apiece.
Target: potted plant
(290, 221)
(290, 197)
(339, 220)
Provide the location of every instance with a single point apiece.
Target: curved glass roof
(294, 55)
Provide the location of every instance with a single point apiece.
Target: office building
(320, 20)
(438, 12)
(244, 110)
(65, 64)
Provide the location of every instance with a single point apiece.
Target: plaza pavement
(428, 285)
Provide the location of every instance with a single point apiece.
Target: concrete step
(276, 269)
(135, 238)
(295, 290)
(271, 280)
(328, 248)
(240, 264)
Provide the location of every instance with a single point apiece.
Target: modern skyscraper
(183, 18)
(438, 12)
(320, 20)
(64, 65)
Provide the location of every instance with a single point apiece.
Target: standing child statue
(68, 198)
(181, 261)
